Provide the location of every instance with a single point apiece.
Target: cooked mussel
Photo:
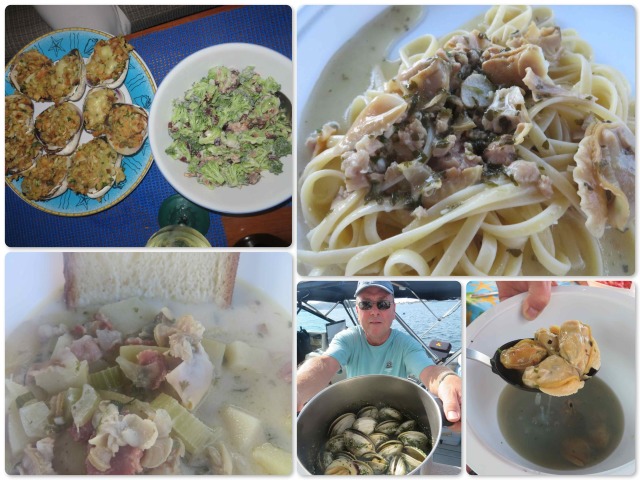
(68, 78)
(59, 127)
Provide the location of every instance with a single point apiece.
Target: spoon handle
(478, 357)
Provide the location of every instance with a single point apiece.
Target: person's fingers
(537, 299)
(451, 407)
(509, 289)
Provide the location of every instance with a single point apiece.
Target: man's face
(376, 323)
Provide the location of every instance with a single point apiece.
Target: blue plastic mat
(131, 222)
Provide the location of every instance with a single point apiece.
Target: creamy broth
(563, 433)
(263, 390)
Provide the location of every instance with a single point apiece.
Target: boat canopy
(338, 291)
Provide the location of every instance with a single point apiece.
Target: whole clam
(59, 127)
(68, 78)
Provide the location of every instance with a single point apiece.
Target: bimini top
(323, 291)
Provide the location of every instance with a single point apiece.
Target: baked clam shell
(77, 91)
(71, 144)
(57, 189)
(113, 83)
(93, 193)
(88, 126)
(112, 133)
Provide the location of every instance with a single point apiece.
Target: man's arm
(313, 376)
(446, 387)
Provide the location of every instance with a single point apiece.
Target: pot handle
(445, 422)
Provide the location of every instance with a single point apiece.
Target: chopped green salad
(230, 127)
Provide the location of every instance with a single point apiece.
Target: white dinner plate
(611, 314)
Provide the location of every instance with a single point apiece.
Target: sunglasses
(368, 304)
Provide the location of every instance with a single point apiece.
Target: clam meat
(356, 444)
(557, 360)
(523, 354)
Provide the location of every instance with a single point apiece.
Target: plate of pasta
(467, 140)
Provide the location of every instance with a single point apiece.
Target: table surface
(131, 222)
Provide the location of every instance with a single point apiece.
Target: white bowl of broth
(517, 432)
(260, 315)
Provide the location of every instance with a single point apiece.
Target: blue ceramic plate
(139, 88)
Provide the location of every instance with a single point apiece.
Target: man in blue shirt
(375, 348)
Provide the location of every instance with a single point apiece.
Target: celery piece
(194, 434)
(274, 460)
(124, 402)
(25, 398)
(82, 411)
(108, 379)
(16, 437)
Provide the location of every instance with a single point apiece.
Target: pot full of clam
(369, 425)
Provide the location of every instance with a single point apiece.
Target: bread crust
(78, 270)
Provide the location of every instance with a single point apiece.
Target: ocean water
(422, 321)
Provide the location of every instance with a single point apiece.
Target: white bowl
(272, 189)
(34, 279)
(611, 315)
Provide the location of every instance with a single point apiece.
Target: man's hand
(447, 388)
(450, 392)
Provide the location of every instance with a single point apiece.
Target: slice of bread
(93, 278)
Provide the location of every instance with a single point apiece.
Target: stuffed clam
(68, 78)
(109, 63)
(558, 360)
(21, 153)
(95, 169)
(47, 179)
(59, 127)
(30, 74)
(96, 108)
(373, 441)
(18, 115)
(127, 127)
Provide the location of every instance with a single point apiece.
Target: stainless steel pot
(351, 395)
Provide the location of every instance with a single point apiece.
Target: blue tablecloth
(131, 222)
